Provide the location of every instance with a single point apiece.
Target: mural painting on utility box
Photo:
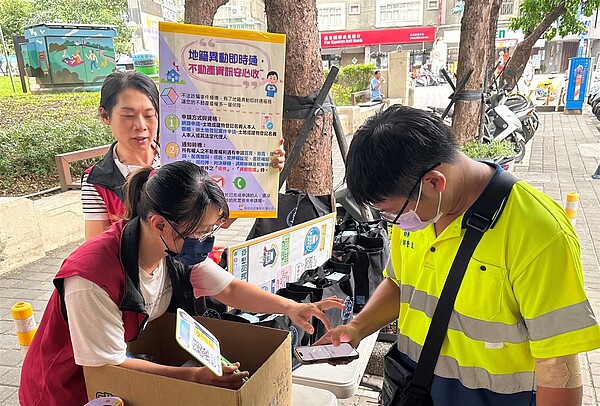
(82, 60)
(59, 54)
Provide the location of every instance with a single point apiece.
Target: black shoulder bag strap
(485, 214)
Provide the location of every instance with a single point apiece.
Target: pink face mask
(410, 221)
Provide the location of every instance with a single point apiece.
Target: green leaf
(15, 15)
(532, 12)
(476, 149)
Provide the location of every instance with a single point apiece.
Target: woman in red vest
(153, 261)
(129, 106)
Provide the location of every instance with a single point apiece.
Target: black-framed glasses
(393, 218)
(203, 235)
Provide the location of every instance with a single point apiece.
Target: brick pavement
(561, 158)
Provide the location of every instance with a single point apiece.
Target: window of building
(354, 9)
(331, 16)
(399, 12)
(432, 4)
(507, 7)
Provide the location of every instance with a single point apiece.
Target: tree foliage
(15, 15)
(546, 18)
(533, 12)
(350, 79)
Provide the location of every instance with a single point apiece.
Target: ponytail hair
(179, 191)
(134, 186)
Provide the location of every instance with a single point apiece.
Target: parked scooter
(524, 109)
(427, 80)
(501, 124)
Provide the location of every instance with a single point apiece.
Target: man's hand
(341, 334)
(301, 313)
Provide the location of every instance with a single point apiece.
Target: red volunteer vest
(49, 375)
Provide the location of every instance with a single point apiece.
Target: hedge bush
(34, 128)
(476, 149)
(350, 79)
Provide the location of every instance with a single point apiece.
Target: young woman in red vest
(129, 105)
(153, 261)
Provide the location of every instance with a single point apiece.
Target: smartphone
(325, 353)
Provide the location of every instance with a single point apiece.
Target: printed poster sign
(271, 261)
(221, 103)
(198, 341)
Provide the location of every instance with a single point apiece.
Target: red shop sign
(377, 37)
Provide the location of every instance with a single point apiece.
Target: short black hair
(118, 81)
(376, 72)
(392, 149)
(273, 73)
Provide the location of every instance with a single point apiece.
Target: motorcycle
(499, 124)
(427, 80)
(524, 109)
(550, 89)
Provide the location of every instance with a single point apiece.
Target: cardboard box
(264, 352)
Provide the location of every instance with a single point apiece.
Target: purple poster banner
(221, 107)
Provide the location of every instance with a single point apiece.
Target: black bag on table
(278, 321)
(294, 207)
(332, 279)
(366, 246)
(299, 336)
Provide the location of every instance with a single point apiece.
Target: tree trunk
(201, 12)
(312, 172)
(491, 58)
(473, 53)
(522, 52)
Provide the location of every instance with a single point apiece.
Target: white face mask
(410, 221)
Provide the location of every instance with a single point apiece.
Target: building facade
(428, 29)
(364, 31)
(242, 15)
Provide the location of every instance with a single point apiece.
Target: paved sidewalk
(561, 158)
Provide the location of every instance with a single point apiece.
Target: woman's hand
(230, 379)
(301, 313)
(278, 157)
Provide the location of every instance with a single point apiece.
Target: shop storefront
(372, 46)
